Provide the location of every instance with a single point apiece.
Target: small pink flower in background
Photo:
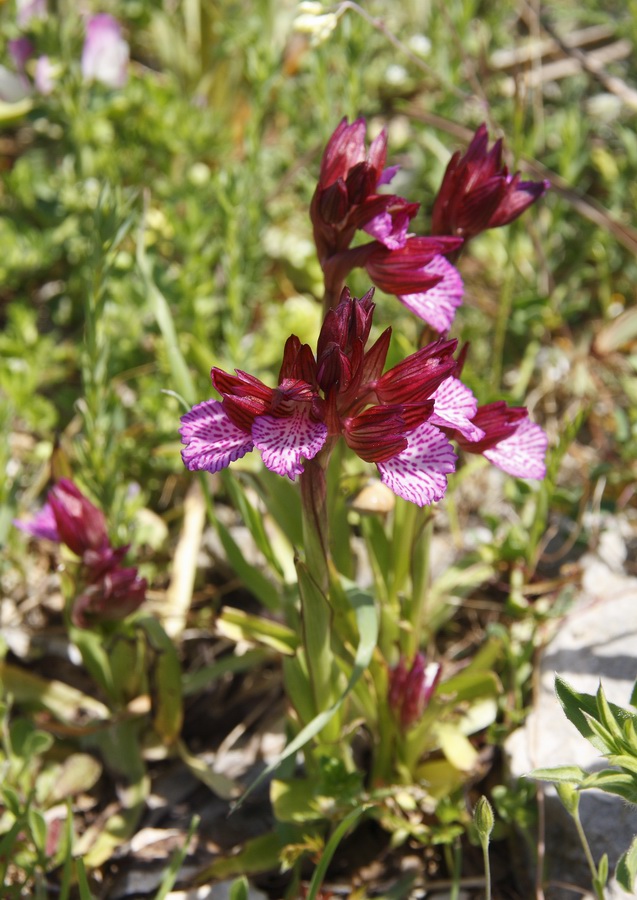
(15, 87)
(20, 50)
(110, 590)
(477, 191)
(411, 690)
(30, 9)
(105, 54)
(115, 595)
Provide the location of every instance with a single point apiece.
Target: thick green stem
(314, 583)
(420, 581)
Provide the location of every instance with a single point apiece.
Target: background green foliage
(188, 190)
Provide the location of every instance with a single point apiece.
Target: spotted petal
(419, 472)
(284, 441)
(522, 453)
(437, 305)
(455, 406)
(212, 440)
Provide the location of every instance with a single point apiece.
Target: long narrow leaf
(163, 316)
(330, 849)
(367, 621)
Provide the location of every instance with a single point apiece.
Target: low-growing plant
(612, 730)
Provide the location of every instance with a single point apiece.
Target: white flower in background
(312, 20)
(105, 53)
(45, 75)
(30, 9)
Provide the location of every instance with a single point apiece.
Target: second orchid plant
(408, 421)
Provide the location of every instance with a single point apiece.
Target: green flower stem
(501, 327)
(587, 852)
(383, 764)
(420, 581)
(314, 585)
(401, 552)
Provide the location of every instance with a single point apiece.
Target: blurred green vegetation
(204, 165)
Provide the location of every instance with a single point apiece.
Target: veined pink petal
(455, 406)
(212, 440)
(418, 473)
(284, 441)
(437, 305)
(522, 453)
(390, 230)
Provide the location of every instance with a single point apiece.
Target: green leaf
(220, 785)
(626, 871)
(625, 761)
(470, 685)
(61, 700)
(163, 316)
(582, 711)
(239, 889)
(254, 580)
(176, 861)
(194, 682)
(252, 518)
(240, 626)
(574, 705)
(559, 774)
(37, 827)
(257, 855)
(569, 795)
(330, 848)
(633, 695)
(606, 716)
(94, 656)
(164, 679)
(77, 774)
(11, 800)
(283, 502)
(602, 871)
(379, 548)
(295, 800)
(37, 743)
(367, 622)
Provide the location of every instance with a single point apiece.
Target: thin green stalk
(420, 582)
(314, 587)
(501, 327)
(587, 852)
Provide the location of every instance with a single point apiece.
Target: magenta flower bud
(347, 199)
(20, 50)
(105, 53)
(411, 690)
(477, 191)
(117, 594)
(110, 591)
(80, 524)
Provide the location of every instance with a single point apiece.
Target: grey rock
(597, 642)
